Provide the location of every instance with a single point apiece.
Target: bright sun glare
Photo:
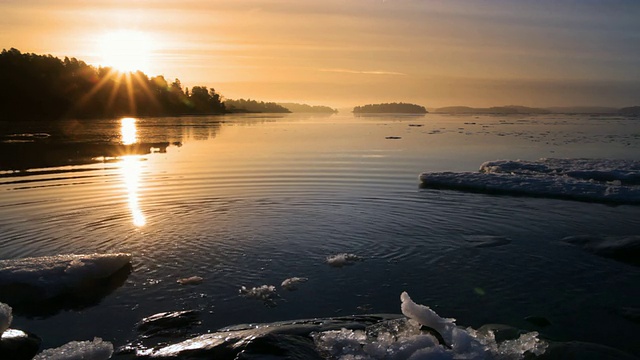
(126, 50)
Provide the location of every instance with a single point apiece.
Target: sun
(126, 50)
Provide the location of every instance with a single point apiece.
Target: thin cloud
(376, 72)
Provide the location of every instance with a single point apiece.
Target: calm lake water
(248, 200)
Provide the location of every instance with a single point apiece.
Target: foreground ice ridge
(5, 317)
(51, 275)
(79, 350)
(425, 335)
(599, 180)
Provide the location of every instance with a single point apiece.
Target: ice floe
(597, 180)
(425, 335)
(193, 280)
(5, 317)
(340, 260)
(265, 293)
(292, 283)
(90, 277)
(79, 350)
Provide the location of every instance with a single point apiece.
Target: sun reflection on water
(131, 167)
(128, 131)
(131, 170)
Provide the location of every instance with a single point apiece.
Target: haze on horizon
(345, 53)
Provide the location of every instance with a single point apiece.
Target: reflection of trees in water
(22, 156)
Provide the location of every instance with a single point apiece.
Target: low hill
(304, 108)
(253, 106)
(510, 109)
(583, 110)
(632, 110)
(390, 108)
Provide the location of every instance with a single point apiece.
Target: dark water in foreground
(253, 200)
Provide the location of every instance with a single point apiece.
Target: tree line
(399, 108)
(44, 87)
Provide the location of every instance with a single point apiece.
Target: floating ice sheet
(340, 260)
(50, 276)
(79, 350)
(5, 317)
(597, 180)
(407, 339)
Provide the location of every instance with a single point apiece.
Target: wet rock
(539, 321)
(576, 350)
(621, 248)
(167, 323)
(281, 340)
(18, 345)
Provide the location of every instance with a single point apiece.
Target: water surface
(247, 200)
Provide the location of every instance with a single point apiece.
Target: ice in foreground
(79, 350)
(597, 180)
(5, 317)
(419, 334)
(425, 335)
(40, 279)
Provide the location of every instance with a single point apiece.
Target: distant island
(516, 109)
(632, 111)
(390, 108)
(304, 108)
(253, 106)
(510, 109)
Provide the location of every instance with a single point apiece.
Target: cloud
(374, 72)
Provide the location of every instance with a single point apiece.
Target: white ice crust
(292, 283)
(5, 317)
(409, 342)
(340, 260)
(616, 181)
(79, 350)
(54, 274)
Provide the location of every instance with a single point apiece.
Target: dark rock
(621, 248)
(576, 350)
(167, 322)
(18, 345)
(539, 321)
(280, 340)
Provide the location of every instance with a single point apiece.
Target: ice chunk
(340, 260)
(5, 317)
(292, 283)
(407, 339)
(32, 280)
(615, 181)
(193, 280)
(423, 315)
(266, 293)
(79, 350)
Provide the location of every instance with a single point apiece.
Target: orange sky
(351, 52)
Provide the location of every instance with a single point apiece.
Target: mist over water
(252, 200)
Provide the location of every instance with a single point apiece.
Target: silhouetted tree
(43, 87)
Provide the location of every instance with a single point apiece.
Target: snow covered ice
(340, 260)
(405, 339)
(598, 180)
(52, 275)
(79, 350)
(5, 317)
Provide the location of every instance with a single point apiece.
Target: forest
(398, 108)
(44, 87)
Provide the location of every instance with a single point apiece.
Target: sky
(343, 53)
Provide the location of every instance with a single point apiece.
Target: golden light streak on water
(128, 131)
(131, 167)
